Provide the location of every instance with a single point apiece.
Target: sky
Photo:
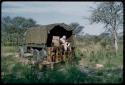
(55, 12)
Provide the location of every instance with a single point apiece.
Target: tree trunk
(17, 40)
(115, 44)
(116, 41)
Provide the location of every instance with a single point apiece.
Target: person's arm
(60, 40)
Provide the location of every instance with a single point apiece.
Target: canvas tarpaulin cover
(37, 35)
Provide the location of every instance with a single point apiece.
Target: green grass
(95, 53)
(9, 48)
(14, 71)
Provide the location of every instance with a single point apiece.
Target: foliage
(14, 71)
(111, 15)
(13, 29)
(106, 12)
(16, 23)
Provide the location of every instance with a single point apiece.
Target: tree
(15, 28)
(76, 27)
(22, 23)
(111, 15)
(6, 23)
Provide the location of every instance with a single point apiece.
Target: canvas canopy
(36, 35)
(43, 34)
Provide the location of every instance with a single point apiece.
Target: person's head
(64, 37)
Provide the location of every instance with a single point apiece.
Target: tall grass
(96, 53)
(9, 49)
(68, 74)
(84, 71)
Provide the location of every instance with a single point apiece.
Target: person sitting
(64, 43)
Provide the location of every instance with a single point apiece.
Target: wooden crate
(55, 41)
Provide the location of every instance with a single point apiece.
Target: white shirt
(62, 40)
